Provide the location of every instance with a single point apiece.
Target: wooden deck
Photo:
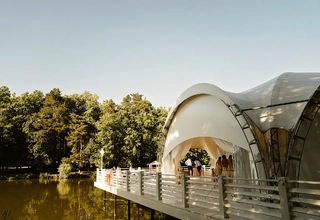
(203, 197)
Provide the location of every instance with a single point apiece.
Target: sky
(157, 48)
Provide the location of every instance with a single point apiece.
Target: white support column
(184, 190)
(158, 186)
(222, 196)
(283, 194)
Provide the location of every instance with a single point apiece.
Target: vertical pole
(283, 194)
(140, 179)
(114, 206)
(151, 214)
(105, 203)
(222, 197)
(127, 180)
(184, 190)
(158, 186)
(128, 209)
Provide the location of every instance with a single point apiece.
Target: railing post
(222, 196)
(103, 176)
(184, 190)
(140, 179)
(117, 178)
(283, 194)
(127, 180)
(158, 186)
(111, 178)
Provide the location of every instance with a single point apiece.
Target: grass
(6, 215)
(22, 176)
(11, 176)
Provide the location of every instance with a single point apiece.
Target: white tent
(262, 126)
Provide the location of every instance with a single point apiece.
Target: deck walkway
(170, 207)
(189, 198)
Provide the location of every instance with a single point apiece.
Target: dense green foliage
(64, 170)
(43, 131)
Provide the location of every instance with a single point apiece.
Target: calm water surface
(69, 199)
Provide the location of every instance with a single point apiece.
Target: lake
(69, 199)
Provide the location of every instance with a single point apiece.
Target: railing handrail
(280, 198)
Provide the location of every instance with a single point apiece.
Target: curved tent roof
(278, 102)
(203, 113)
(202, 108)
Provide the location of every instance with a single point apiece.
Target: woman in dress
(218, 169)
(225, 164)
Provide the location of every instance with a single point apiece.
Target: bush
(43, 176)
(64, 170)
(11, 178)
(28, 175)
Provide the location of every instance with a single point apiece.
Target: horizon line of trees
(42, 131)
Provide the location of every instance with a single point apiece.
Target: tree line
(42, 131)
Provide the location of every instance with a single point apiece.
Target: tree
(197, 154)
(85, 111)
(110, 135)
(40, 130)
(130, 132)
(47, 131)
(22, 108)
(6, 152)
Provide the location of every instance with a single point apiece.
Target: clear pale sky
(157, 48)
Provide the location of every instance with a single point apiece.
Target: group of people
(197, 164)
(224, 166)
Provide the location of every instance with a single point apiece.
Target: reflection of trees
(41, 202)
(70, 199)
(63, 188)
(27, 182)
(33, 205)
(43, 181)
(84, 201)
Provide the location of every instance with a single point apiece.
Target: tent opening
(214, 148)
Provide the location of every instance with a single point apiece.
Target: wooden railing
(253, 198)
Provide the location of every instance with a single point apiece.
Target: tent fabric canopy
(201, 116)
(278, 102)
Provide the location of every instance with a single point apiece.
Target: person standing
(198, 165)
(225, 164)
(230, 164)
(189, 165)
(218, 169)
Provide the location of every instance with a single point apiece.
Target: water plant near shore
(6, 215)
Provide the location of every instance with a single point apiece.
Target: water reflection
(63, 189)
(69, 199)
